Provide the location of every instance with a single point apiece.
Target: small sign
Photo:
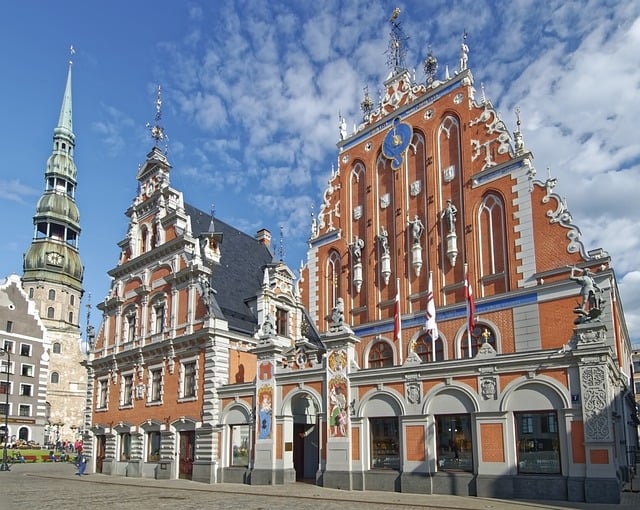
(288, 446)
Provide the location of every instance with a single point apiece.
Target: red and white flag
(471, 307)
(431, 325)
(397, 326)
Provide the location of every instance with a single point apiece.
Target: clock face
(54, 258)
(395, 143)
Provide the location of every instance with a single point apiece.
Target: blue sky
(251, 95)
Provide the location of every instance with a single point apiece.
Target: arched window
(30, 292)
(70, 317)
(481, 334)
(52, 295)
(50, 312)
(56, 348)
(491, 239)
(55, 377)
(380, 355)
(23, 434)
(425, 348)
(72, 300)
(130, 324)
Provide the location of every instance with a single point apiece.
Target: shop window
(454, 442)
(125, 446)
(380, 355)
(153, 446)
(538, 442)
(385, 443)
(240, 445)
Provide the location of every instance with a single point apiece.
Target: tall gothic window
(493, 246)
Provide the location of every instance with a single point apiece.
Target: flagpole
(399, 319)
(467, 285)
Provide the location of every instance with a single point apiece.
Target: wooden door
(101, 443)
(187, 447)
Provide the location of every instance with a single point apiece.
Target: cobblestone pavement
(55, 486)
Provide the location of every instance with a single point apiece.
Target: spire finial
(397, 49)
(464, 52)
(157, 131)
(72, 52)
(430, 66)
(281, 247)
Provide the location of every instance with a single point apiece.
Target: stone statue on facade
(416, 229)
(449, 215)
(590, 307)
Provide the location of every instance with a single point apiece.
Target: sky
(251, 95)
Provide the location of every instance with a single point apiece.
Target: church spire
(53, 255)
(65, 121)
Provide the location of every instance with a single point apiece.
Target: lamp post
(5, 465)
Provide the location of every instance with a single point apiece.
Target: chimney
(264, 236)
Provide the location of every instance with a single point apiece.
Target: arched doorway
(306, 436)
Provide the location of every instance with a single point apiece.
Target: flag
(471, 307)
(397, 326)
(431, 325)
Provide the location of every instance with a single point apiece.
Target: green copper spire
(53, 255)
(65, 122)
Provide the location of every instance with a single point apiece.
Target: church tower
(53, 275)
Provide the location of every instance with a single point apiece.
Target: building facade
(456, 336)
(510, 373)
(52, 277)
(24, 364)
(187, 297)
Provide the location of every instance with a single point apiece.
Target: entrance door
(101, 443)
(298, 450)
(187, 446)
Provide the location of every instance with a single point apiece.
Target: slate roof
(239, 275)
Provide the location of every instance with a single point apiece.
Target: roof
(238, 277)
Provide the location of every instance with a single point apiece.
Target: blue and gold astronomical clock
(395, 143)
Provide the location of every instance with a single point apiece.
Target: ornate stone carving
(594, 403)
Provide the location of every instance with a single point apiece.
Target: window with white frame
(240, 438)
(127, 390)
(155, 376)
(8, 345)
(25, 350)
(103, 392)
(27, 370)
(5, 387)
(125, 446)
(158, 313)
(5, 366)
(130, 325)
(26, 390)
(153, 446)
(24, 410)
(189, 371)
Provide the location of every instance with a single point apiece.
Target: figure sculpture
(449, 214)
(591, 303)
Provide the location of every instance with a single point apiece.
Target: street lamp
(5, 465)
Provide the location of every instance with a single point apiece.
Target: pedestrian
(81, 461)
